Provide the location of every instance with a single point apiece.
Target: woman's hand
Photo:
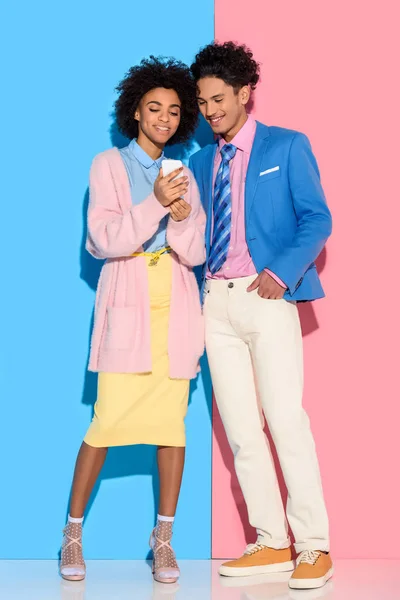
(166, 190)
(180, 210)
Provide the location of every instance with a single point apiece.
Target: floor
(123, 580)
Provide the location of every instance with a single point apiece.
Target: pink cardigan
(116, 228)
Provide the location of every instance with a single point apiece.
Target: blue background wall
(61, 63)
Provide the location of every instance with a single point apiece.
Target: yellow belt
(155, 255)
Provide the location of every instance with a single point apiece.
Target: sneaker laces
(309, 557)
(253, 548)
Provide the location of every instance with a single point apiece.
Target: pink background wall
(329, 69)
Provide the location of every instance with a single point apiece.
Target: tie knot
(228, 151)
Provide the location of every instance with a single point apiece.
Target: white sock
(167, 519)
(74, 519)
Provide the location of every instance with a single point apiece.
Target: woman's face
(159, 115)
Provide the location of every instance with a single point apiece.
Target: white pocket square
(269, 171)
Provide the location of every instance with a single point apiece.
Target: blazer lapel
(260, 145)
(208, 172)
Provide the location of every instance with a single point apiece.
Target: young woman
(148, 332)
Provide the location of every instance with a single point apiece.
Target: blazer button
(230, 284)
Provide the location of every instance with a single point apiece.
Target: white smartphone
(169, 165)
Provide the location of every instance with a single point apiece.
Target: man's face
(222, 106)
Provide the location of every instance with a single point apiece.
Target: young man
(267, 223)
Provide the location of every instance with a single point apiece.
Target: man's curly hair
(157, 72)
(233, 63)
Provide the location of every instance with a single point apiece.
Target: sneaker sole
(250, 580)
(261, 570)
(310, 584)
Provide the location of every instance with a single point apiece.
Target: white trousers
(255, 352)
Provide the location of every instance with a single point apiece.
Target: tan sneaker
(314, 569)
(257, 560)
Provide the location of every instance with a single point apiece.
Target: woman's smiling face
(159, 115)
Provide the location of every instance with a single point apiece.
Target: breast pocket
(269, 174)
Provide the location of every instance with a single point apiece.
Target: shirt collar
(135, 150)
(244, 138)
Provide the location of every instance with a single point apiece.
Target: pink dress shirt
(239, 262)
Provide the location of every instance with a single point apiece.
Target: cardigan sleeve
(187, 237)
(113, 232)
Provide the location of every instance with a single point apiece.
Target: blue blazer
(287, 220)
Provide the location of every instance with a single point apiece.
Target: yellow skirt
(144, 408)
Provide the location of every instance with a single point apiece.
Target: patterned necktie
(222, 209)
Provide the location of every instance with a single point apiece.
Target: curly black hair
(157, 72)
(231, 62)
